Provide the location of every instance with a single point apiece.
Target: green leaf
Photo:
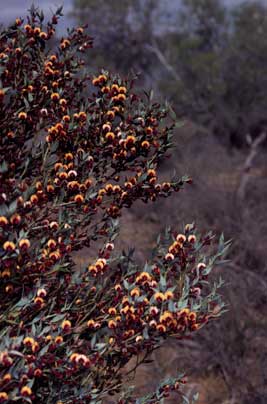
(162, 283)
(3, 167)
(57, 318)
(145, 333)
(4, 210)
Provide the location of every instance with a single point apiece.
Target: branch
(254, 146)
(161, 57)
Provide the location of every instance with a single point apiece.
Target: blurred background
(209, 59)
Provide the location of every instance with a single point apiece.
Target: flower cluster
(75, 151)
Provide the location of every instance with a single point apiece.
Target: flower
(109, 188)
(106, 127)
(112, 324)
(135, 292)
(145, 145)
(3, 221)
(63, 102)
(105, 90)
(73, 185)
(169, 257)
(6, 274)
(5, 359)
(169, 295)
(118, 288)
(161, 328)
(9, 246)
(72, 174)
(3, 396)
(115, 88)
(92, 269)
(79, 359)
(110, 115)
(26, 391)
(50, 188)
(201, 266)
(143, 277)
(82, 115)
(112, 311)
(55, 96)
(121, 97)
(91, 323)
(122, 90)
(66, 118)
(109, 136)
(109, 246)
(51, 244)
(54, 225)
(79, 199)
(95, 82)
(24, 244)
(59, 339)
(41, 292)
(191, 239)
(73, 357)
(43, 35)
(39, 301)
(66, 325)
(151, 173)
(38, 186)
(159, 297)
(22, 116)
(6, 378)
(65, 44)
(55, 255)
(153, 310)
(166, 186)
(38, 372)
(102, 78)
(166, 317)
(181, 238)
(184, 312)
(192, 316)
(130, 140)
(28, 341)
(2, 94)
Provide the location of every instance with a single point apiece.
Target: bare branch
(248, 165)
(161, 57)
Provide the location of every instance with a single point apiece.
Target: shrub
(75, 151)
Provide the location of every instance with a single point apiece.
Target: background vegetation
(211, 62)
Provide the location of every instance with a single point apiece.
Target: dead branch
(254, 147)
(161, 57)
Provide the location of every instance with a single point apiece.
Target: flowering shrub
(76, 150)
